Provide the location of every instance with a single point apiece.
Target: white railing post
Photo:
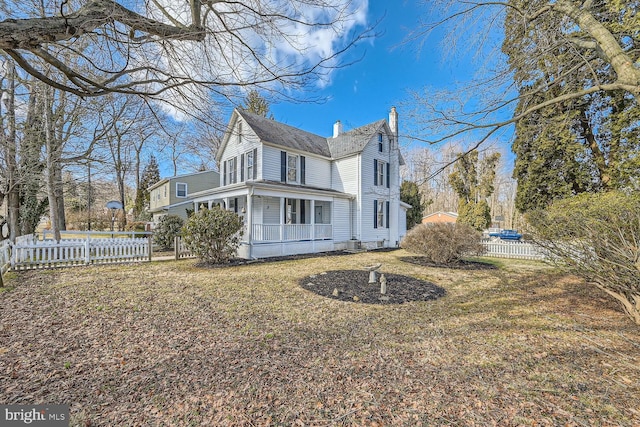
(87, 250)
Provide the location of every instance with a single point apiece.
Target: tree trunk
(630, 303)
(13, 190)
(606, 45)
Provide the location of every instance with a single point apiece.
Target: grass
(171, 344)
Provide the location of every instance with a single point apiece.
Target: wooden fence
(512, 249)
(29, 253)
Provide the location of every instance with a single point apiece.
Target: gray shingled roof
(277, 133)
(353, 141)
(345, 144)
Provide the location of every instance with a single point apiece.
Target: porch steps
(355, 251)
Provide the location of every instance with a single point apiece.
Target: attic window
(239, 131)
(380, 146)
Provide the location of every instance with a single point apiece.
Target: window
(239, 131)
(380, 214)
(249, 160)
(165, 192)
(380, 143)
(380, 173)
(181, 189)
(292, 211)
(292, 168)
(231, 171)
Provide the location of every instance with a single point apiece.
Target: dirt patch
(353, 286)
(459, 265)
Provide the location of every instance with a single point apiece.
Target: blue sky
(365, 91)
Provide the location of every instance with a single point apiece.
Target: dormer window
(380, 143)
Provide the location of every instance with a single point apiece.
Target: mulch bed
(353, 286)
(459, 265)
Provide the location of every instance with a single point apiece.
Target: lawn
(168, 343)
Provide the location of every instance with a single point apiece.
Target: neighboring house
(301, 193)
(450, 217)
(173, 195)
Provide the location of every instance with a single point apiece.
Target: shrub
(597, 236)
(168, 228)
(213, 235)
(138, 226)
(443, 243)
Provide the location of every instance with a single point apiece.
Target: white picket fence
(5, 257)
(29, 253)
(512, 249)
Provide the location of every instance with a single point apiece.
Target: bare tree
(157, 46)
(589, 35)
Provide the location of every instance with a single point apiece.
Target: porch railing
(290, 232)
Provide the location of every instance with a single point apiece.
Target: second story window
(292, 168)
(181, 189)
(250, 160)
(380, 173)
(231, 172)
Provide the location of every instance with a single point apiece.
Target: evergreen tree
(256, 104)
(585, 144)
(472, 179)
(410, 193)
(150, 175)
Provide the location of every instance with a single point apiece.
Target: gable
(355, 140)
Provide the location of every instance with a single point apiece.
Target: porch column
(313, 219)
(283, 215)
(249, 218)
(209, 204)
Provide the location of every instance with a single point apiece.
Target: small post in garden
(383, 284)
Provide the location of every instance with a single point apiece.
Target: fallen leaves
(244, 345)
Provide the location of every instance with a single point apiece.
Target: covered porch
(278, 222)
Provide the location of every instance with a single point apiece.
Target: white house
(301, 193)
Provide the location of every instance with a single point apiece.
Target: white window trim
(186, 192)
(380, 173)
(380, 214)
(297, 168)
(248, 170)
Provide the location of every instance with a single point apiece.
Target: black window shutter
(388, 174)
(387, 215)
(302, 212)
(241, 167)
(224, 173)
(375, 171)
(255, 163)
(303, 169)
(283, 166)
(375, 214)
(235, 205)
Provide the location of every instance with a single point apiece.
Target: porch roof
(287, 189)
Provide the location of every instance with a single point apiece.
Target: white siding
(371, 192)
(270, 210)
(318, 172)
(235, 148)
(341, 220)
(345, 175)
(270, 163)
